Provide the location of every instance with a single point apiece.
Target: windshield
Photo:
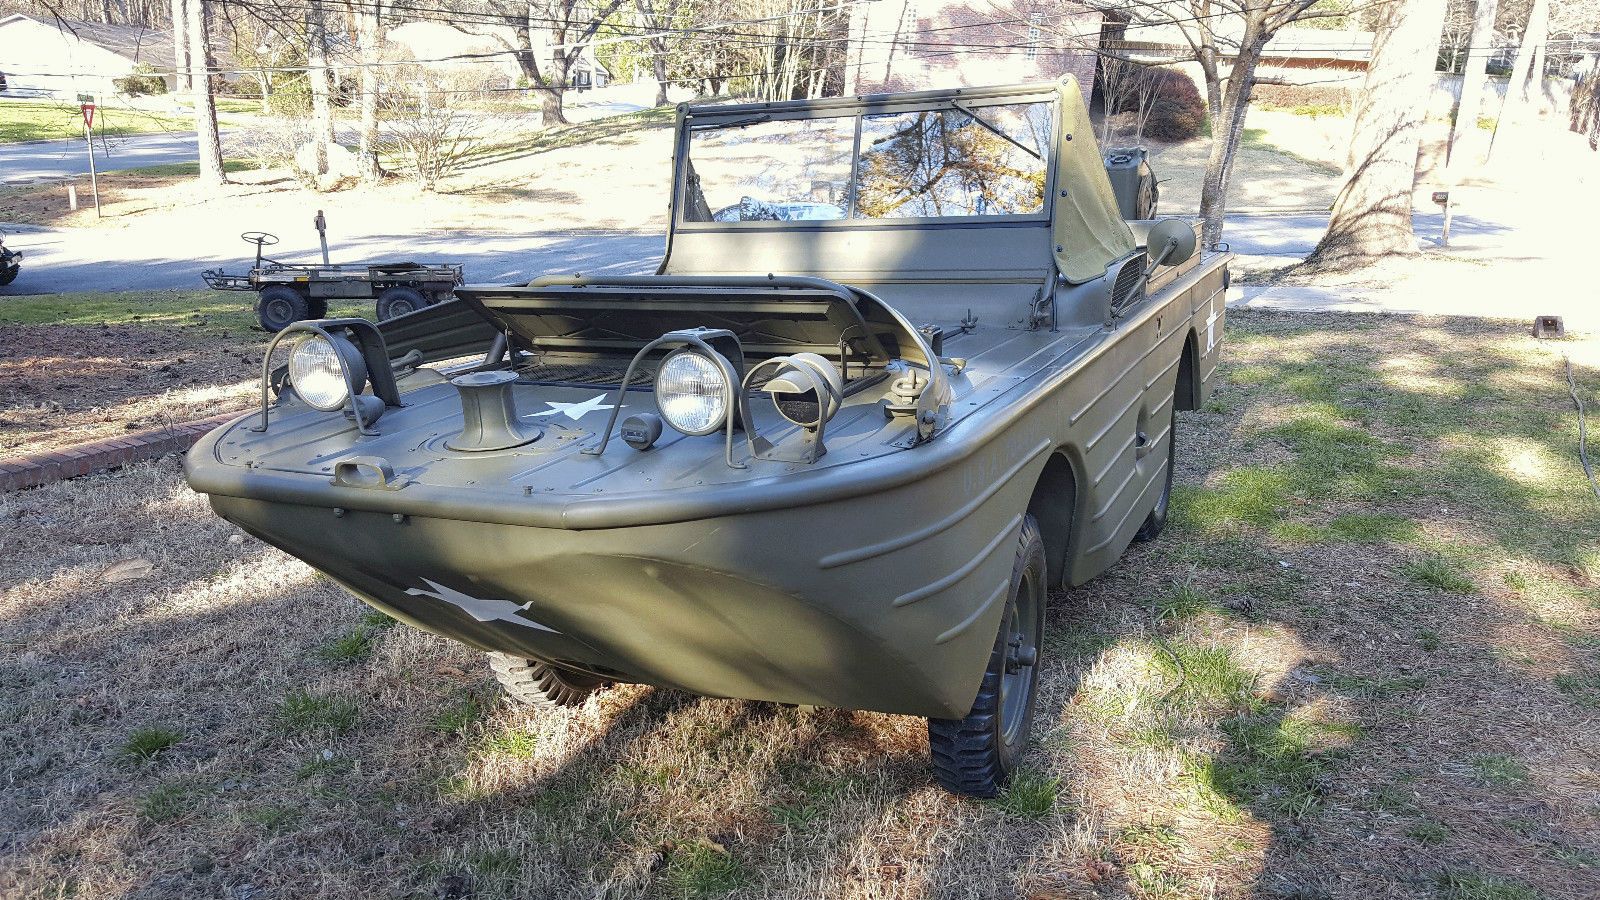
(953, 161)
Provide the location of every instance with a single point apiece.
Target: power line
(921, 48)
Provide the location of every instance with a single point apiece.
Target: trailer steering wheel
(260, 239)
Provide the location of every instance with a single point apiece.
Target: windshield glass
(782, 171)
(952, 161)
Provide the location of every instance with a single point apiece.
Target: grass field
(80, 367)
(46, 120)
(1362, 662)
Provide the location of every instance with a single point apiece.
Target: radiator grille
(589, 373)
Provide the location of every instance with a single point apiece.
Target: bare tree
(1213, 30)
(1146, 85)
(658, 18)
(1527, 73)
(568, 26)
(317, 71)
(180, 47)
(1372, 214)
(368, 41)
(431, 130)
(1479, 49)
(1116, 81)
(205, 109)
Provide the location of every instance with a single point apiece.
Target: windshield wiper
(986, 124)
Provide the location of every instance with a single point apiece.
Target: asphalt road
(127, 259)
(62, 261)
(57, 159)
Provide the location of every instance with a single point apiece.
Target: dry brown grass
(1338, 725)
(84, 367)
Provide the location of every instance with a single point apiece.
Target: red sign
(88, 115)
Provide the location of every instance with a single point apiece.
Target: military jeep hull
(917, 414)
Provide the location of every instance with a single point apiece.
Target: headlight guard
(370, 359)
(718, 345)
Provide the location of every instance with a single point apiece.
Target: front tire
(1157, 520)
(397, 301)
(278, 307)
(532, 682)
(976, 755)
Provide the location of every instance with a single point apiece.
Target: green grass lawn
(200, 312)
(45, 120)
(188, 168)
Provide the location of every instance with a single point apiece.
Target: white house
(63, 59)
(483, 53)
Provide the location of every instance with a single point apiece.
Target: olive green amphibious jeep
(903, 371)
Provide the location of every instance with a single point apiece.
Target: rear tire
(1157, 520)
(976, 755)
(397, 301)
(532, 682)
(278, 307)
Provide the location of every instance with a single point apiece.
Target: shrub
(1178, 113)
(1295, 96)
(143, 81)
(290, 98)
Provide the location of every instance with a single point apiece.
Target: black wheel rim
(1172, 462)
(1020, 629)
(278, 312)
(400, 308)
(1166, 493)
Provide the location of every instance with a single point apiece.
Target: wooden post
(72, 195)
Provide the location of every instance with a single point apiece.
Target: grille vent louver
(1129, 287)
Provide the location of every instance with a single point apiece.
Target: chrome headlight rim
(724, 395)
(340, 359)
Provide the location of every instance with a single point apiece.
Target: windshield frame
(701, 118)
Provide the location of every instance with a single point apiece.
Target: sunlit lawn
(44, 120)
(1361, 662)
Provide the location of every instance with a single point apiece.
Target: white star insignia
(576, 411)
(482, 610)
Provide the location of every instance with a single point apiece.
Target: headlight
(692, 392)
(317, 377)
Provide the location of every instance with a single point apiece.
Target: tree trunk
(1372, 214)
(1479, 48)
(180, 47)
(371, 172)
(658, 69)
(1207, 57)
(1225, 139)
(205, 110)
(1533, 37)
(550, 105)
(317, 72)
(658, 45)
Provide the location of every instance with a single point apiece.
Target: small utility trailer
(290, 292)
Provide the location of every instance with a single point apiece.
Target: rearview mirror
(1171, 242)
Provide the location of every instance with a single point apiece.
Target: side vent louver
(1129, 287)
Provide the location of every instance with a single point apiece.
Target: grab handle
(372, 472)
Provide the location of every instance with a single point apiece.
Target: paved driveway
(114, 259)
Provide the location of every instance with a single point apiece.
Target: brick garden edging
(50, 466)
